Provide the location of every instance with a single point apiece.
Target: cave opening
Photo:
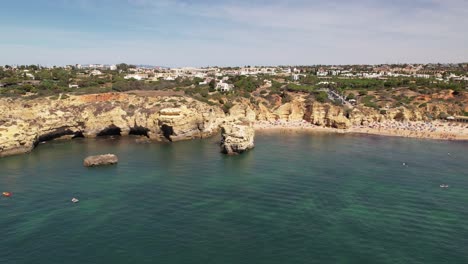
(78, 134)
(55, 134)
(112, 130)
(168, 131)
(58, 133)
(139, 131)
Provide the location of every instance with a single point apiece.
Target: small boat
(444, 186)
(74, 200)
(6, 194)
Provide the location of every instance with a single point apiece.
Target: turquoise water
(296, 198)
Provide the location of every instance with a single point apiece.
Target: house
(296, 77)
(224, 87)
(321, 72)
(113, 68)
(95, 72)
(73, 86)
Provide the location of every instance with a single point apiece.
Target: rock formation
(237, 137)
(100, 160)
(25, 123)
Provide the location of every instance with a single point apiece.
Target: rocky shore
(25, 123)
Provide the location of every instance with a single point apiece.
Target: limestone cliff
(25, 123)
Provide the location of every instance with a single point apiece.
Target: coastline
(416, 129)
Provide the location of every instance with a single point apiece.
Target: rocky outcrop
(326, 115)
(237, 137)
(25, 123)
(100, 160)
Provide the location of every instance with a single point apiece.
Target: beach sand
(417, 129)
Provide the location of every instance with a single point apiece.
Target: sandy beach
(418, 129)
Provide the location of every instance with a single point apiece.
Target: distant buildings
(321, 72)
(137, 76)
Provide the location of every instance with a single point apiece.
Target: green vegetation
(247, 84)
(321, 97)
(369, 101)
(300, 88)
(128, 85)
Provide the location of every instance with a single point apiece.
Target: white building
(137, 76)
(30, 76)
(322, 73)
(73, 86)
(95, 72)
(223, 87)
(113, 67)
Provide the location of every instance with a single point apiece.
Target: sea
(295, 198)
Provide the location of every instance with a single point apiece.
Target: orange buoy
(6, 194)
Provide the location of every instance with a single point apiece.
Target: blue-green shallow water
(296, 198)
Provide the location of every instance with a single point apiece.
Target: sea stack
(100, 160)
(237, 137)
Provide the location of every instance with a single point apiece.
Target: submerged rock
(237, 137)
(107, 159)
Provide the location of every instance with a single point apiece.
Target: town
(370, 85)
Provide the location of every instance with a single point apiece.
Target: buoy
(7, 194)
(74, 200)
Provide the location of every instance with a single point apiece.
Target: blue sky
(224, 32)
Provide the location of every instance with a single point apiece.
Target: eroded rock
(100, 160)
(237, 137)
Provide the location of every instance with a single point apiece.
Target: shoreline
(416, 129)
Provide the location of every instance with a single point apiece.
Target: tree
(351, 96)
(212, 85)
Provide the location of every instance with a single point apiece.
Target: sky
(233, 32)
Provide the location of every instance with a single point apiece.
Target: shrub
(227, 106)
(321, 97)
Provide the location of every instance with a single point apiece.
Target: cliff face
(25, 123)
(329, 115)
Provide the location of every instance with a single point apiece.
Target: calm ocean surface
(296, 198)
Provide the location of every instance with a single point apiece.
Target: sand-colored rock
(100, 160)
(24, 123)
(237, 137)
